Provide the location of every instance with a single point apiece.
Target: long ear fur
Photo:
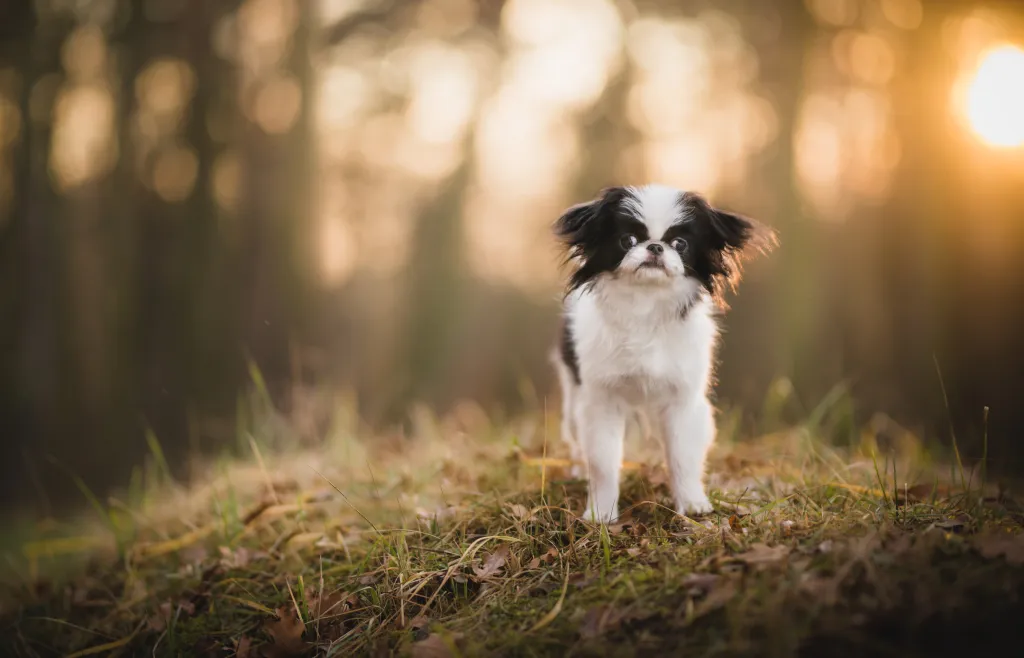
(579, 222)
(739, 233)
(731, 239)
(569, 226)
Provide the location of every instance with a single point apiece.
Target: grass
(465, 539)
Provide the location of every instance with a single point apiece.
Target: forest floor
(465, 539)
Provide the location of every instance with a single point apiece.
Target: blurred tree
(31, 243)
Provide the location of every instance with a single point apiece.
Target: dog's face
(656, 236)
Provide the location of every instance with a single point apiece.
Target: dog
(640, 327)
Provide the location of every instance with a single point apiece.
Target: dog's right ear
(573, 226)
(573, 222)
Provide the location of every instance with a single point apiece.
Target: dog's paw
(592, 515)
(694, 506)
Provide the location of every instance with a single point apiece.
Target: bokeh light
(174, 173)
(995, 97)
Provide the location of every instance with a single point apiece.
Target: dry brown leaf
(330, 604)
(760, 554)
(494, 563)
(599, 619)
(244, 648)
(925, 492)
(420, 626)
(1010, 547)
(436, 646)
(715, 599)
(520, 512)
(547, 558)
(582, 580)
(158, 621)
(700, 583)
(286, 631)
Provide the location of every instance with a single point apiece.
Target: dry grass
(464, 540)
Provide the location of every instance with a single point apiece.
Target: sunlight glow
(995, 98)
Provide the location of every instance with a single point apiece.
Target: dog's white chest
(643, 356)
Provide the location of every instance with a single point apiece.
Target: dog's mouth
(652, 264)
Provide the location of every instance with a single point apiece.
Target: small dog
(640, 330)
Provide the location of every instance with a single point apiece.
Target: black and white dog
(640, 330)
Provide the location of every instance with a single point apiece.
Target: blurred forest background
(355, 195)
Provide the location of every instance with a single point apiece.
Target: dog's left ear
(728, 239)
(736, 233)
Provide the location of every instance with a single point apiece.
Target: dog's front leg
(601, 421)
(689, 430)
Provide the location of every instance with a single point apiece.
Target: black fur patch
(592, 232)
(715, 239)
(567, 350)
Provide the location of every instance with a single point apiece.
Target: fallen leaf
(925, 492)
(700, 583)
(286, 631)
(737, 509)
(244, 648)
(420, 625)
(330, 604)
(760, 554)
(494, 563)
(436, 646)
(633, 551)
(1010, 547)
(235, 559)
(158, 621)
(547, 558)
(582, 580)
(954, 524)
(419, 621)
(599, 619)
(715, 599)
(734, 523)
(520, 512)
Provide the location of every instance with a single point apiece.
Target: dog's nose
(656, 248)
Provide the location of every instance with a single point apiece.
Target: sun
(995, 98)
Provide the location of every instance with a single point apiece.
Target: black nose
(656, 248)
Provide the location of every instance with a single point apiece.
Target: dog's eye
(679, 244)
(628, 241)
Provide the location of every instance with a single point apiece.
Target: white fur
(636, 351)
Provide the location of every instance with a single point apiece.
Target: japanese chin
(640, 328)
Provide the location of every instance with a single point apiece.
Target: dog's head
(657, 236)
